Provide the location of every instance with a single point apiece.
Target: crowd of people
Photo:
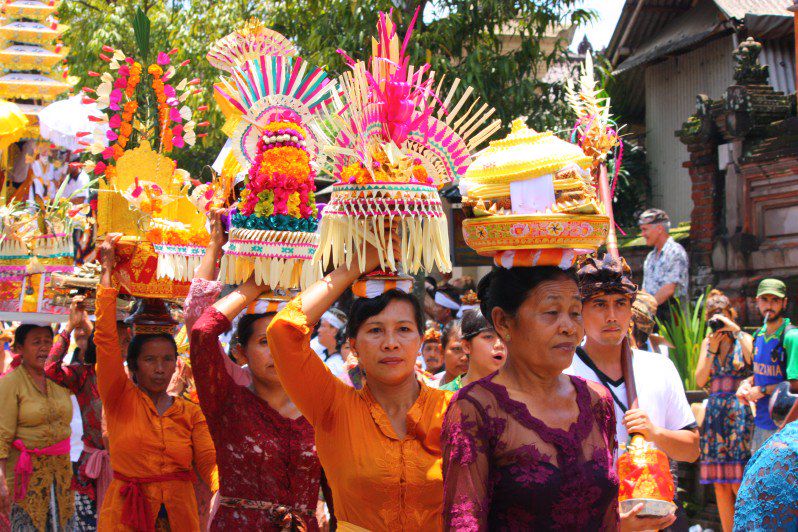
(496, 405)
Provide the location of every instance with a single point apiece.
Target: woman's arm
(704, 367)
(466, 467)
(204, 453)
(112, 381)
(211, 377)
(747, 346)
(306, 379)
(207, 266)
(205, 289)
(70, 377)
(9, 413)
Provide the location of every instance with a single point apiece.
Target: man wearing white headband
(325, 344)
(447, 300)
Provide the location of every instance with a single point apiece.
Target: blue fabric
(768, 496)
(768, 369)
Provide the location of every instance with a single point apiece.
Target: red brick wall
(703, 169)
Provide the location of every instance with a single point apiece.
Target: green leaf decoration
(141, 30)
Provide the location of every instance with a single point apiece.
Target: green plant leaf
(685, 329)
(141, 30)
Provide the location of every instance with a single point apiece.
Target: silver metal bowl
(651, 507)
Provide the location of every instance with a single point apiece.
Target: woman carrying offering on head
(728, 427)
(269, 473)
(484, 348)
(379, 446)
(156, 440)
(528, 444)
(35, 413)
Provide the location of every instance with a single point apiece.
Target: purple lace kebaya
(504, 469)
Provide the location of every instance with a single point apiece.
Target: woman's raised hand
(77, 314)
(107, 252)
(373, 254)
(218, 231)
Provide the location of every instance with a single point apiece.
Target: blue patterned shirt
(767, 497)
(667, 266)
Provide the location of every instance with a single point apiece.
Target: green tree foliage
(494, 46)
(461, 38)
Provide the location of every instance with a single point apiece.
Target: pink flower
(178, 140)
(108, 153)
(120, 82)
(115, 121)
(169, 91)
(111, 135)
(124, 71)
(115, 98)
(174, 115)
(99, 168)
(163, 59)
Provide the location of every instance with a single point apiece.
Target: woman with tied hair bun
(528, 444)
(379, 446)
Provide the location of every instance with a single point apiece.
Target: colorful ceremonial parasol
(12, 125)
(65, 122)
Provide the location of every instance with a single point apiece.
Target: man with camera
(775, 358)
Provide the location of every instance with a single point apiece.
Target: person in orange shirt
(379, 446)
(156, 440)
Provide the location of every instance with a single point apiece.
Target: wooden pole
(612, 249)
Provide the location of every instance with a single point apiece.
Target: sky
(600, 31)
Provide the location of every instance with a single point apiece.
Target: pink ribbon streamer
(98, 467)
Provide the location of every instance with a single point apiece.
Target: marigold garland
(117, 96)
(176, 235)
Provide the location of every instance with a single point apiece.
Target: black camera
(716, 324)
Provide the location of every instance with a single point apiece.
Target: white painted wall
(671, 89)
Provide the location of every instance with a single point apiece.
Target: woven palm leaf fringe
(424, 242)
(177, 267)
(274, 272)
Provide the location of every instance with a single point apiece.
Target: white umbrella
(61, 121)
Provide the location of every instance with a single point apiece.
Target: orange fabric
(144, 444)
(379, 482)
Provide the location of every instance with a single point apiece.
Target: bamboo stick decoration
(612, 249)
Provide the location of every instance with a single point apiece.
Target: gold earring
(507, 337)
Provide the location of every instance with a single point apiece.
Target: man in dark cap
(665, 271)
(663, 416)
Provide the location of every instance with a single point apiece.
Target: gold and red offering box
(645, 477)
(138, 271)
